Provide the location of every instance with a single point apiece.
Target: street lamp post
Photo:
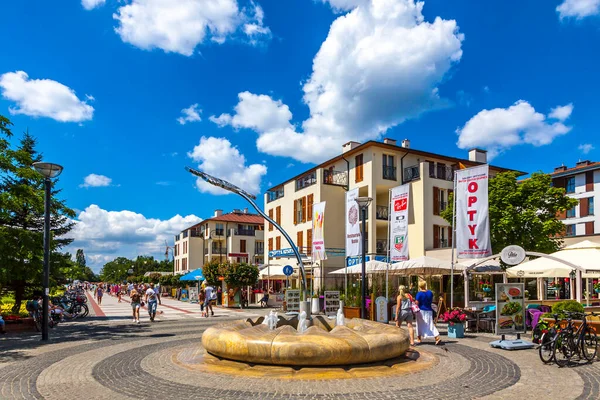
(49, 171)
(363, 204)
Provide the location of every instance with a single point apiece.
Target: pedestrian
(157, 290)
(244, 299)
(201, 300)
(152, 301)
(425, 325)
(99, 294)
(219, 295)
(119, 293)
(136, 299)
(210, 298)
(404, 312)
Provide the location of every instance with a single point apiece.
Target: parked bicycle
(570, 341)
(546, 343)
(34, 307)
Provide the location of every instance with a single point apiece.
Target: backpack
(32, 305)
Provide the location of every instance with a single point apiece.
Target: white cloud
(561, 113)
(217, 157)
(91, 4)
(105, 235)
(578, 9)
(345, 5)
(380, 65)
(43, 98)
(502, 128)
(93, 180)
(180, 26)
(586, 148)
(190, 114)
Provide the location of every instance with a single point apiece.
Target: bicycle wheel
(545, 350)
(589, 344)
(563, 349)
(38, 322)
(86, 310)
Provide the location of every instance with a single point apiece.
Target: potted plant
(352, 302)
(526, 294)
(314, 304)
(455, 319)
(597, 287)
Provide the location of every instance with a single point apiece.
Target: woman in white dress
(425, 325)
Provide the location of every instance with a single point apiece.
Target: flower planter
(351, 312)
(456, 331)
(21, 324)
(314, 305)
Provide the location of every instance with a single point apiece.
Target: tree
(212, 271)
(240, 275)
(22, 218)
(80, 259)
(116, 270)
(524, 212)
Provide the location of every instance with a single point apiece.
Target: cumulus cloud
(217, 157)
(91, 4)
(578, 9)
(501, 128)
(190, 114)
(586, 148)
(43, 98)
(105, 235)
(379, 65)
(94, 180)
(180, 26)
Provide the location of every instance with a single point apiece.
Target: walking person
(136, 303)
(99, 294)
(152, 300)
(404, 312)
(210, 298)
(201, 301)
(157, 290)
(425, 325)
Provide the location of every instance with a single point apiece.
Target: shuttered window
(271, 216)
(300, 241)
(583, 207)
(303, 200)
(242, 246)
(278, 243)
(300, 210)
(589, 181)
(270, 244)
(278, 215)
(436, 237)
(358, 170)
(436, 201)
(309, 207)
(308, 242)
(589, 228)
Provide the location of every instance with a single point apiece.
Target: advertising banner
(472, 219)
(510, 308)
(318, 237)
(399, 223)
(353, 242)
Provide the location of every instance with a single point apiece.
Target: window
(274, 194)
(271, 216)
(431, 169)
(570, 231)
(306, 180)
(590, 206)
(278, 215)
(389, 170)
(259, 247)
(242, 246)
(358, 169)
(442, 237)
(438, 201)
(278, 243)
(309, 207)
(571, 213)
(219, 231)
(300, 240)
(589, 228)
(589, 181)
(270, 244)
(300, 211)
(308, 242)
(570, 185)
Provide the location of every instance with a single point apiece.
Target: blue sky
(274, 86)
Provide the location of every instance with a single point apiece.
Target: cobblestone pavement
(115, 359)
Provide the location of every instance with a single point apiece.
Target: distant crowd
(140, 295)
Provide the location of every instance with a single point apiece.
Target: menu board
(332, 302)
(510, 308)
(292, 300)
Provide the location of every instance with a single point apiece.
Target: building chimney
(349, 146)
(583, 163)
(246, 210)
(562, 168)
(218, 213)
(478, 155)
(406, 144)
(389, 141)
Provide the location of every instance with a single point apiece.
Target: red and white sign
(237, 255)
(399, 223)
(472, 219)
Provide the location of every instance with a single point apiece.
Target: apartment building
(234, 237)
(374, 168)
(581, 182)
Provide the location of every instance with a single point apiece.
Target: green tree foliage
(22, 218)
(212, 271)
(80, 258)
(239, 275)
(524, 212)
(116, 270)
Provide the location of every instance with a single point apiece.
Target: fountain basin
(358, 341)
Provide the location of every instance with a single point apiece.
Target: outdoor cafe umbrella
(425, 265)
(371, 266)
(195, 275)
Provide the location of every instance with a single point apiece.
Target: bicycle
(570, 341)
(545, 349)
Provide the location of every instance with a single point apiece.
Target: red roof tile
(239, 218)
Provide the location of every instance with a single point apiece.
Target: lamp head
(48, 170)
(572, 274)
(363, 202)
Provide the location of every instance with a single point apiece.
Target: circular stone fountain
(323, 343)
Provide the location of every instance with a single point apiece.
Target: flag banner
(318, 237)
(353, 242)
(399, 223)
(472, 219)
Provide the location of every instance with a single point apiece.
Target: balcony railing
(215, 250)
(338, 178)
(381, 246)
(381, 212)
(218, 232)
(445, 173)
(274, 195)
(185, 234)
(411, 173)
(389, 172)
(196, 233)
(306, 180)
(444, 243)
(259, 250)
(243, 232)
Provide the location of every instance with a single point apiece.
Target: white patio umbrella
(425, 265)
(371, 266)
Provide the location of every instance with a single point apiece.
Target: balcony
(381, 212)
(381, 246)
(259, 250)
(306, 180)
(337, 178)
(444, 172)
(389, 172)
(196, 233)
(243, 232)
(274, 195)
(218, 232)
(215, 250)
(412, 173)
(185, 234)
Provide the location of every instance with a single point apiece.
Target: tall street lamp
(49, 171)
(363, 204)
